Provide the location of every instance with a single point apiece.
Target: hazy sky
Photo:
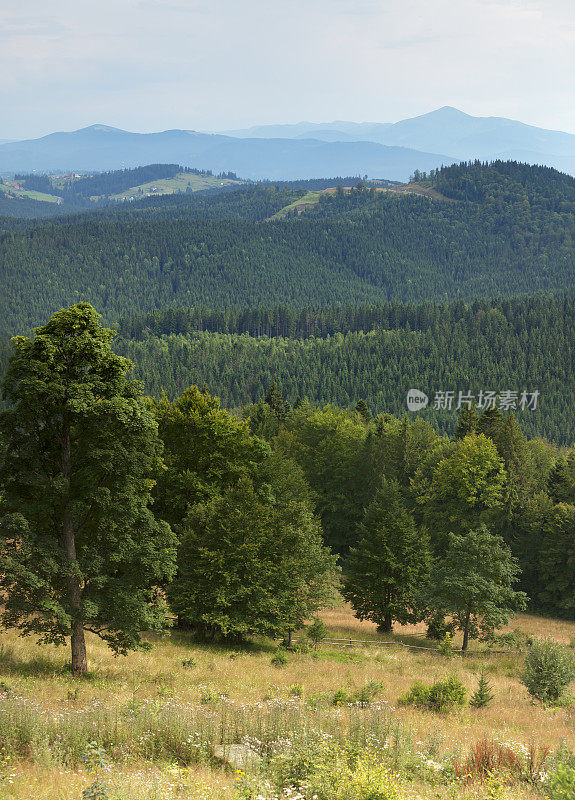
(214, 64)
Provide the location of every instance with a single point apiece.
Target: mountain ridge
(446, 130)
(100, 148)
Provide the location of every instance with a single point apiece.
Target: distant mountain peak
(450, 110)
(101, 129)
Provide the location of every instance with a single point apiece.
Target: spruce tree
(467, 422)
(386, 570)
(483, 695)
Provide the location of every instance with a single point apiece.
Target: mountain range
(303, 150)
(446, 130)
(100, 147)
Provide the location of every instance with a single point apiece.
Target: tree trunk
(79, 660)
(386, 625)
(466, 631)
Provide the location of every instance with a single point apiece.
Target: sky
(148, 65)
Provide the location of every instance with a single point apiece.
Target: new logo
(416, 400)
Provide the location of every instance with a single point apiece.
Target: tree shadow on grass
(39, 666)
(189, 639)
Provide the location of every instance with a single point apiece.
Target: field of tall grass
(319, 721)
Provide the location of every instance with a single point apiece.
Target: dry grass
(39, 673)
(141, 782)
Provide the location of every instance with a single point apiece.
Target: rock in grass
(238, 756)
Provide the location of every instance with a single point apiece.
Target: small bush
(362, 696)
(438, 627)
(295, 690)
(514, 640)
(561, 784)
(316, 631)
(445, 646)
(279, 658)
(341, 697)
(441, 696)
(366, 693)
(548, 670)
(189, 662)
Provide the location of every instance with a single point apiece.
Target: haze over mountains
(304, 150)
(100, 148)
(446, 130)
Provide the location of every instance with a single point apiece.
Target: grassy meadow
(155, 717)
(179, 183)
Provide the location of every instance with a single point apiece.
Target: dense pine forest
(365, 247)
(365, 295)
(376, 353)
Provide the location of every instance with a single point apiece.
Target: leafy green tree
(465, 487)
(248, 565)
(384, 573)
(206, 449)
(80, 548)
(328, 444)
(474, 583)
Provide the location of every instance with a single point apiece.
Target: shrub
(189, 662)
(362, 696)
(561, 784)
(365, 694)
(331, 771)
(440, 696)
(514, 640)
(548, 670)
(279, 658)
(317, 631)
(445, 646)
(340, 697)
(438, 627)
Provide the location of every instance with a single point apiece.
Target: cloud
(209, 64)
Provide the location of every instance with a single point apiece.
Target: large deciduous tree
(80, 549)
(461, 486)
(252, 560)
(206, 450)
(474, 583)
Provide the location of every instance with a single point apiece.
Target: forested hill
(376, 353)
(513, 235)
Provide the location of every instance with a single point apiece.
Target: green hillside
(514, 238)
(376, 353)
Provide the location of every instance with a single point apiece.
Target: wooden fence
(361, 643)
